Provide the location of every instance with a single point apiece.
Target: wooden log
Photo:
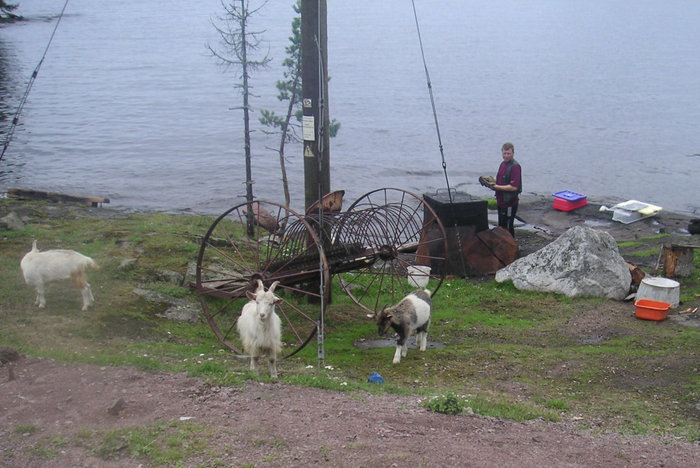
(678, 260)
(263, 218)
(26, 194)
(636, 272)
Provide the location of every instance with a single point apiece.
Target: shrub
(448, 403)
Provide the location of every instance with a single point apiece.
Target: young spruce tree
(290, 90)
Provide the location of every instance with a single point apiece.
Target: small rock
(8, 354)
(12, 222)
(191, 274)
(182, 312)
(169, 276)
(127, 264)
(117, 407)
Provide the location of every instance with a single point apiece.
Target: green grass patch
(25, 428)
(512, 354)
(641, 242)
(161, 444)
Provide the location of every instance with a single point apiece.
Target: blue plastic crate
(569, 196)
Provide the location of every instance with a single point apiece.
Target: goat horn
(273, 286)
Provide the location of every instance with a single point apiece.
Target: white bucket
(659, 289)
(418, 275)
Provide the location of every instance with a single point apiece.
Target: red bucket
(649, 309)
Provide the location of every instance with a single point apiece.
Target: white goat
(40, 268)
(260, 328)
(411, 315)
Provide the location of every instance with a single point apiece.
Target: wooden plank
(26, 194)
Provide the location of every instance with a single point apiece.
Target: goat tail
(93, 264)
(34, 247)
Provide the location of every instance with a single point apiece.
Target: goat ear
(273, 286)
(277, 300)
(251, 295)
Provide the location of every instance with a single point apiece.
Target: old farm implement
(369, 249)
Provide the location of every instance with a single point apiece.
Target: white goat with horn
(260, 328)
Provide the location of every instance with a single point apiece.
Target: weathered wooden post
(316, 121)
(678, 260)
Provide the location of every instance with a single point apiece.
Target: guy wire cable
(15, 119)
(320, 337)
(437, 129)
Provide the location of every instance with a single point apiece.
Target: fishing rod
(32, 78)
(437, 129)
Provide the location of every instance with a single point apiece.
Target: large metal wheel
(262, 240)
(395, 231)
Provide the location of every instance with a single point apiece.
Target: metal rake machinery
(368, 251)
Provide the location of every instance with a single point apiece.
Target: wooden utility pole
(314, 75)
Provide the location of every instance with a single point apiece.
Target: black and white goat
(411, 315)
(40, 268)
(260, 328)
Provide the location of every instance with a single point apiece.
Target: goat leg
(422, 339)
(273, 366)
(397, 354)
(86, 298)
(40, 299)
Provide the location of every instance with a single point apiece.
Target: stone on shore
(12, 222)
(581, 262)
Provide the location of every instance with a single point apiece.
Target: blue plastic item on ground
(374, 377)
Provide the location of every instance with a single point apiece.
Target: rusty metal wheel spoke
(266, 241)
(395, 233)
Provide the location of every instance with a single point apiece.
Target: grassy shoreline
(509, 353)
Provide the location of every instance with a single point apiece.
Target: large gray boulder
(581, 262)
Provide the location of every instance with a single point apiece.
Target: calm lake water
(599, 97)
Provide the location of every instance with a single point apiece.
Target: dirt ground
(279, 425)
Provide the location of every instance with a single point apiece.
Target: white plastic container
(418, 275)
(625, 216)
(659, 289)
(633, 210)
